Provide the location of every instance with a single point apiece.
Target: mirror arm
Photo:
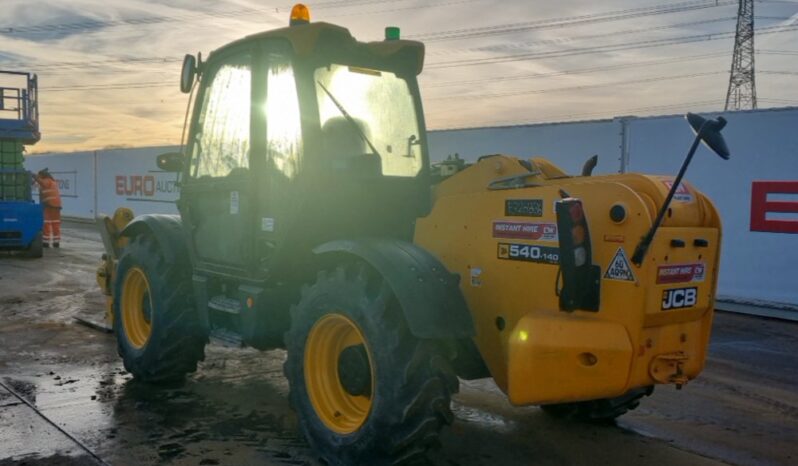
(645, 242)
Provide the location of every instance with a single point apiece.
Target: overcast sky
(108, 69)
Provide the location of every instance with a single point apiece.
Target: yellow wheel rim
(137, 307)
(339, 409)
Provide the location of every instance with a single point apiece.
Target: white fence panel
(755, 265)
(75, 176)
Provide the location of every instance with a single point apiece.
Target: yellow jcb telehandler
(311, 219)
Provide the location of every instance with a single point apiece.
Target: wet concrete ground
(234, 410)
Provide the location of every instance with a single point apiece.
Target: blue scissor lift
(21, 218)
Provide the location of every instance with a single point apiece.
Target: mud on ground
(234, 410)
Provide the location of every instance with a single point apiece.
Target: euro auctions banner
(98, 182)
(130, 178)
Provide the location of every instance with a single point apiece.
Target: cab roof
(306, 39)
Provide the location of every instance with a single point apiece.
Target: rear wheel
(605, 409)
(157, 329)
(365, 389)
(36, 248)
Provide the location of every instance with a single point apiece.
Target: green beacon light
(392, 33)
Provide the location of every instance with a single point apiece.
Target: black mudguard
(429, 295)
(167, 231)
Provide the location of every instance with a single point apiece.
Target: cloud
(96, 92)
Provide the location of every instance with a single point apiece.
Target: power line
(175, 60)
(94, 64)
(412, 7)
(779, 72)
(777, 52)
(555, 22)
(122, 86)
(571, 20)
(158, 84)
(604, 48)
(94, 26)
(561, 40)
(149, 85)
(166, 59)
(576, 88)
(161, 60)
(580, 70)
(606, 113)
(160, 19)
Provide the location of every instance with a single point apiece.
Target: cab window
(283, 127)
(221, 141)
(369, 112)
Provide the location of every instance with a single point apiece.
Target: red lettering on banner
(149, 185)
(135, 185)
(760, 206)
(120, 185)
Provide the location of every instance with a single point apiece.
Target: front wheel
(157, 328)
(366, 390)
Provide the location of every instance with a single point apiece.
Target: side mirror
(188, 74)
(709, 132)
(170, 162)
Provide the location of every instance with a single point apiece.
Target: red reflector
(578, 234)
(576, 212)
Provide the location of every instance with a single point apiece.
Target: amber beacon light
(300, 14)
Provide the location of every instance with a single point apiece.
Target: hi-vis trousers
(52, 225)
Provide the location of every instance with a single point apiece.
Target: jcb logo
(679, 298)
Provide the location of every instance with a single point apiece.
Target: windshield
(364, 111)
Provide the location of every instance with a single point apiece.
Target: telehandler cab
(309, 221)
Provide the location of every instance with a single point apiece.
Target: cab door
(217, 193)
(279, 121)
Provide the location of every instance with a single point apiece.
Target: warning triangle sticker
(619, 268)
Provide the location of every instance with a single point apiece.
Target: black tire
(36, 248)
(412, 383)
(603, 410)
(176, 341)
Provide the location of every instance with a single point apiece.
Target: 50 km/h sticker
(529, 253)
(619, 268)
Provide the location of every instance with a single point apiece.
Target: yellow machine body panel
(110, 229)
(653, 322)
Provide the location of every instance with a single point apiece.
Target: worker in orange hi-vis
(50, 198)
